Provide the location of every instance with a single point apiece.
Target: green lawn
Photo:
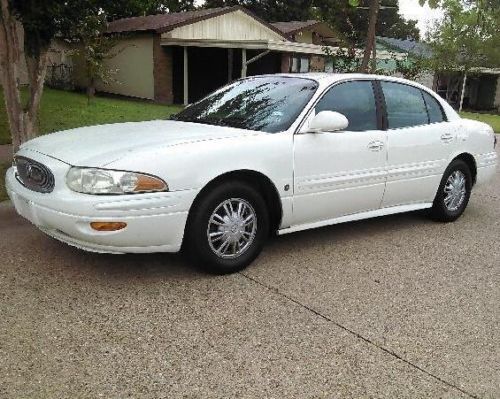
(490, 119)
(64, 110)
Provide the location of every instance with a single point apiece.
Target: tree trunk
(370, 37)
(22, 119)
(374, 56)
(91, 89)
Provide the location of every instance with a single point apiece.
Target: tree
(95, 47)
(270, 10)
(132, 8)
(351, 19)
(467, 38)
(38, 24)
(27, 28)
(370, 36)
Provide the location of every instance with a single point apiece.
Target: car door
(419, 143)
(341, 173)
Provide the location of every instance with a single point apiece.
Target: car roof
(325, 78)
(334, 77)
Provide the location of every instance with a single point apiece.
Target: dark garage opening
(208, 69)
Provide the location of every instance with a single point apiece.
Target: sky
(410, 9)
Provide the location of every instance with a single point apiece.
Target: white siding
(426, 79)
(134, 68)
(235, 25)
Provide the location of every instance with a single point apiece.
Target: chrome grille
(33, 175)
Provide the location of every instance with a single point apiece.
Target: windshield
(268, 104)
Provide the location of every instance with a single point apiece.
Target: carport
(202, 66)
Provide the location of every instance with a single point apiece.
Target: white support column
(463, 93)
(186, 76)
(244, 63)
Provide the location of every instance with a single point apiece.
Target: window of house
(433, 108)
(355, 100)
(300, 63)
(405, 105)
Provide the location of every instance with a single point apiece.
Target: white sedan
(275, 153)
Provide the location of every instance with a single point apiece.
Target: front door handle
(447, 137)
(375, 145)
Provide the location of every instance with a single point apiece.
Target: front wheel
(227, 228)
(453, 193)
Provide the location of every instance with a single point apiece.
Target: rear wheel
(227, 228)
(453, 193)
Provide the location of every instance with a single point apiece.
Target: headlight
(104, 181)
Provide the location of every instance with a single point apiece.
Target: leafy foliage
(271, 10)
(411, 67)
(94, 48)
(467, 37)
(344, 59)
(353, 20)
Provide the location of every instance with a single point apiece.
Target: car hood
(103, 144)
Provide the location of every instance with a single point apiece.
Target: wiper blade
(229, 122)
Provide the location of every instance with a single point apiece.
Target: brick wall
(317, 63)
(162, 72)
(285, 63)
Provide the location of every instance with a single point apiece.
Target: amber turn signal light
(108, 226)
(149, 183)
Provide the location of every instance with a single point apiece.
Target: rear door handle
(447, 137)
(375, 145)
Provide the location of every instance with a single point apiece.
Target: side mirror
(328, 121)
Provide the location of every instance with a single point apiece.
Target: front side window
(405, 105)
(267, 104)
(355, 100)
(433, 108)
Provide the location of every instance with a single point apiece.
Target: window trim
(384, 106)
(443, 114)
(378, 104)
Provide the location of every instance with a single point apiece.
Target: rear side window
(355, 100)
(404, 104)
(433, 108)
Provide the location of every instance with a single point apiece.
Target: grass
(62, 110)
(490, 119)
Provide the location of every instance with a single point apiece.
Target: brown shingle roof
(163, 22)
(294, 26)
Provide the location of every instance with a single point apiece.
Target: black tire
(440, 211)
(197, 245)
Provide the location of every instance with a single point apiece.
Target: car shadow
(72, 261)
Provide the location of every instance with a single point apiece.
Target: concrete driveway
(391, 307)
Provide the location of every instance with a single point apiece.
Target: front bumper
(155, 222)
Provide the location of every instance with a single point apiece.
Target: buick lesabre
(266, 154)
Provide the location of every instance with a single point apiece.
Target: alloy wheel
(232, 228)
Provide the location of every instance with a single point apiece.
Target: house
(312, 32)
(181, 57)
(479, 90)
(409, 50)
